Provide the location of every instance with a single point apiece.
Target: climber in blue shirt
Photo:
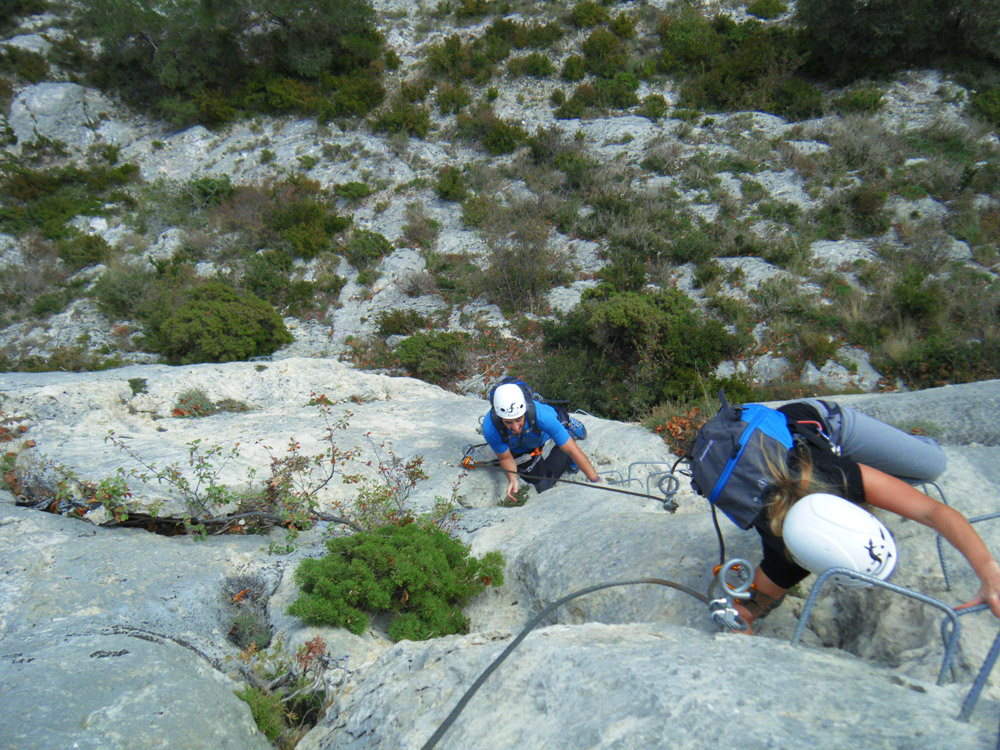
(517, 427)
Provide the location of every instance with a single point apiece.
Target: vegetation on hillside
(278, 243)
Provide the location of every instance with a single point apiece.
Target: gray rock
(82, 605)
(63, 112)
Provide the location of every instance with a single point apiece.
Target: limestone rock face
(118, 638)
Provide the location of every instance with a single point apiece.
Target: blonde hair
(788, 487)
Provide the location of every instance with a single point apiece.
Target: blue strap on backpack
(730, 454)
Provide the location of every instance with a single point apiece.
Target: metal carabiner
(723, 611)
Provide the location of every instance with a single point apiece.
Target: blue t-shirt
(547, 426)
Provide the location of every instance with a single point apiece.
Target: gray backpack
(727, 459)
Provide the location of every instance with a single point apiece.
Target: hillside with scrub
(778, 199)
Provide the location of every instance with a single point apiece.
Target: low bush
(433, 357)
(985, 104)
(415, 572)
(861, 100)
(449, 185)
(534, 64)
(366, 248)
(215, 323)
(495, 135)
(767, 9)
(403, 116)
(574, 69)
(45, 200)
(451, 99)
(618, 354)
(79, 250)
(352, 191)
(399, 321)
(604, 54)
(587, 14)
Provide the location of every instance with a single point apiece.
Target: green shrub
(863, 100)
(416, 572)
(457, 61)
(617, 354)
(24, 64)
(433, 357)
(535, 65)
(80, 250)
(766, 9)
(124, 290)
(352, 191)
(215, 323)
(622, 26)
(267, 709)
(574, 69)
(419, 229)
(365, 248)
(402, 116)
(450, 186)
(586, 14)
(210, 191)
(45, 200)
(205, 61)
(849, 39)
(49, 303)
(265, 275)
(604, 54)
(497, 136)
(452, 99)
(655, 107)
(915, 297)
(796, 99)
(985, 104)
(398, 322)
(194, 403)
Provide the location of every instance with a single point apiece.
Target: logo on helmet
(824, 531)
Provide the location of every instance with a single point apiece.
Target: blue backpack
(728, 459)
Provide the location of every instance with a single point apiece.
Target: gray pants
(912, 458)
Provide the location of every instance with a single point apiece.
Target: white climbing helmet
(823, 531)
(508, 401)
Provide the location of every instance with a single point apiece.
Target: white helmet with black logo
(508, 401)
(823, 531)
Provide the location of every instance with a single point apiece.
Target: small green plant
(399, 322)
(137, 385)
(497, 136)
(450, 186)
(288, 496)
(432, 356)
(451, 99)
(766, 9)
(245, 599)
(81, 497)
(520, 497)
(352, 191)
(416, 572)
(985, 104)
(365, 248)
(574, 69)
(403, 116)
(288, 691)
(533, 64)
(860, 100)
(586, 14)
(194, 403)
